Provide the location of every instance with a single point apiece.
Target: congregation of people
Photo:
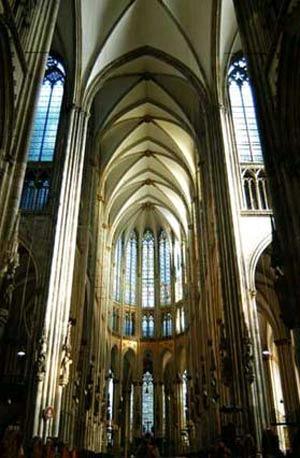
(228, 445)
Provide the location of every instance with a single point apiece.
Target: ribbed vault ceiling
(146, 68)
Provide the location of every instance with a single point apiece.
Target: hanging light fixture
(21, 351)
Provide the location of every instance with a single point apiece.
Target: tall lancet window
(46, 120)
(37, 180)
(148, 270)
(243, 113)
(117, 270)
(178, 272)
(148, 398)
(167, 325)
(164, 269)
(131, 264)
(148, 326)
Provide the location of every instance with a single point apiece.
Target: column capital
(80, 110)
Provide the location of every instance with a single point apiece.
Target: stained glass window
(46, 119)
(178, 273)
(35, 190)
(117, 272)
(148, 410)
(167, 325)
(131, 265)
(164, 269)
(110, 396)
(148, 270)
(185, 407)
(148, 326)
(243, 113)
(129, 324)
(182, 319)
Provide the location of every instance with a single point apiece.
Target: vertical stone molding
(60, 283)
(38, 44)
(158, 399)
(288, 379)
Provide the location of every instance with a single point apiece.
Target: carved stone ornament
(41, 358)
(76, 389)
(8, 280)
(66, 359)
(248, 358)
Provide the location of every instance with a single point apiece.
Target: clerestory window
(164, 269)
(42, 144)
(117, 272)
(243, 113)
(37, 182)
(148, 403)
(131, 266)
(148, 270)
(167, 325)
(148, 326)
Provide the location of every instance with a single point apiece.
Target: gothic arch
(108, 71)
(261, 246)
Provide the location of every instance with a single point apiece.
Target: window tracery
(36, 187)
(243, 113)
(145, 289)
(167, 325)
(148, 326)
(131, 266)
(148, 270)
(254, 179)
(178, 273)
(165, 269)
(255, 189)
(129, 324)
(117, 271)
(35, 190)
(47, 115)
(148, 401)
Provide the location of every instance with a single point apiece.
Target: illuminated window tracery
(243, 113)
(117, 272)
(148, 401)
(165, 269)
(131, 265)
(46, 120)
(148, 270)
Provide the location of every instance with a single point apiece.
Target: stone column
(62, 265)
(259, 388)
(288, 379)
(226, 274)
(175, 414)
(158, 411)
(269, 388)
(137, 413)
(14, 166)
